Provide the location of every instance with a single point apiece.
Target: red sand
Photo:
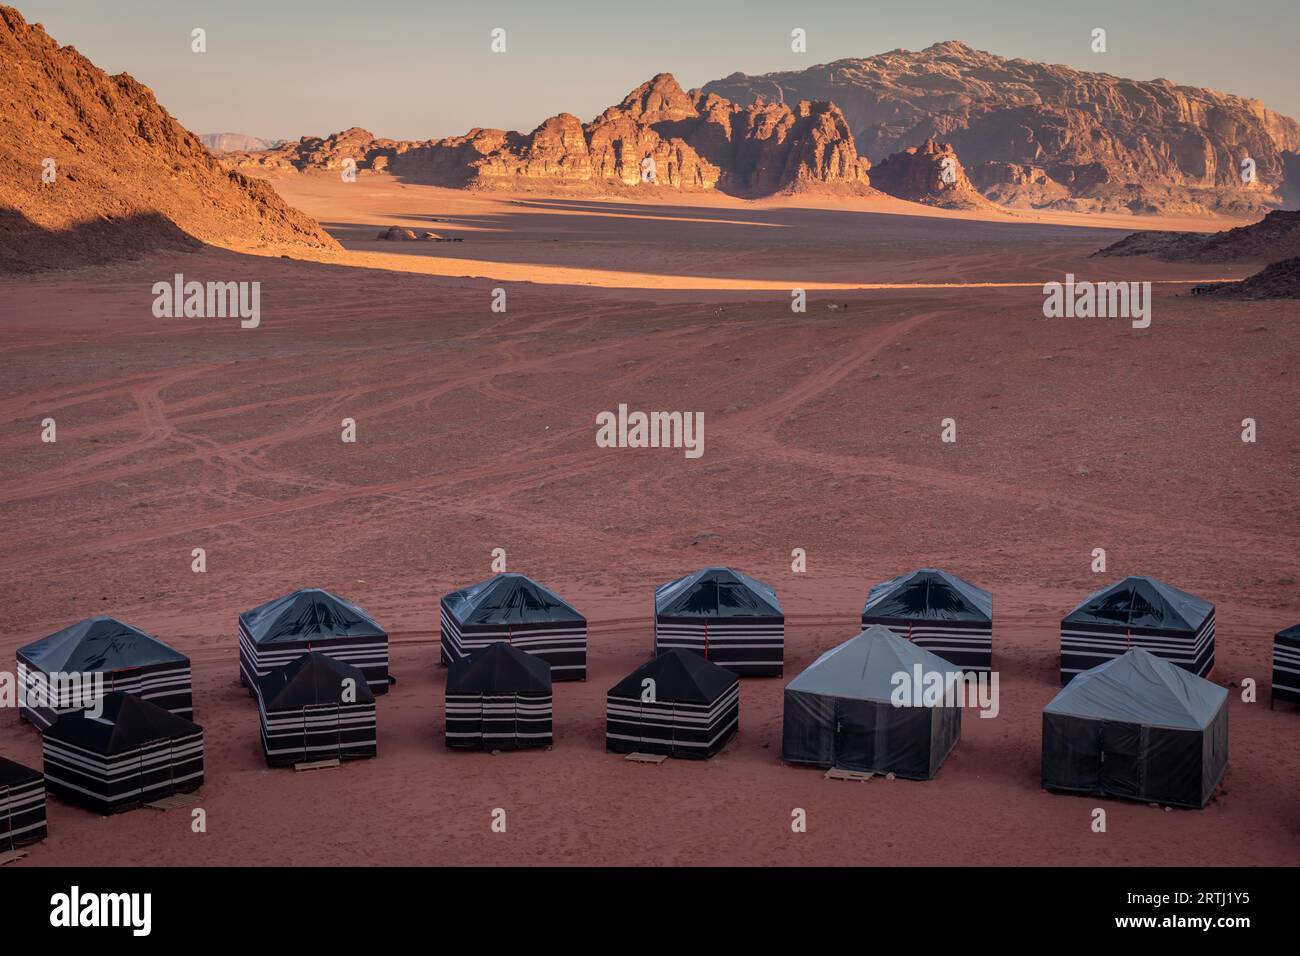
(476, 431)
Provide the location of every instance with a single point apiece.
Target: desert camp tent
(22, 805)
(725, 616)
(515, 609)
(1286, 665)
(282, 630)
(1137, 727)
(133, 753)
(58, 672)
(499, 698)
(1138, 612)
(840, 711)
(316, 708)
(691, 708)
(939, 612)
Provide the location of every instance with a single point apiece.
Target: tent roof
(314, 678)
(499, 668)
(510, 599)
(930, 594)
(126, 723)
(863, 667)
(307, 613)
(12, 773)
(1139, 688)
(99, 644)
(679, 676)
(717, 591)
(1142, 602)
(1290, 635)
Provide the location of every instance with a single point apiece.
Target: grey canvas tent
(726, 617)
(58, 672)
(515, 609)
(1286, 666)
(1138, 612)
(840, 711)
(1137, 727)
(938, 611)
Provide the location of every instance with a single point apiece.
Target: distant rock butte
(696, 142)
(1276, 236)
(930, 173)
(219, 143)
(1039, 135)
(128, 178)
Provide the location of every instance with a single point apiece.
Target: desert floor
(476, 431)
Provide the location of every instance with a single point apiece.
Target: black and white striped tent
(22, 805)
(316, 708)
(725, 616)
(1286, 665)
(1138, 612)
(841, 712)
(677, 704)
(499, 698)
(1140, 728)
(515, 609)
(938, 611)
(282, 630)
(133, 753)
(57, 672)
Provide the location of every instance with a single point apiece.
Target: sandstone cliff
(930, 173)
(692, 141)
(127, 178)
(1035, 134)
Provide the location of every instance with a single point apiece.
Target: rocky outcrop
(1278, 280)
(1276, 236)
(930, 173)
(124, 176)
(1033, 134)
(659, 135)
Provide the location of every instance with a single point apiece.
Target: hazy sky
(415, 70)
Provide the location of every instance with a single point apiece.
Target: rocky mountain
(930, 173)
(236, 143)
(1276, 236)
(93, 169)
(659, 132)
(1040, 135)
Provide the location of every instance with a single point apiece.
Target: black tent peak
(98, 643)
(509, 598)
(1142, 602)
(308, 612)
(717, 591)
(499, 668)
(311, 680)
(679, 676)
